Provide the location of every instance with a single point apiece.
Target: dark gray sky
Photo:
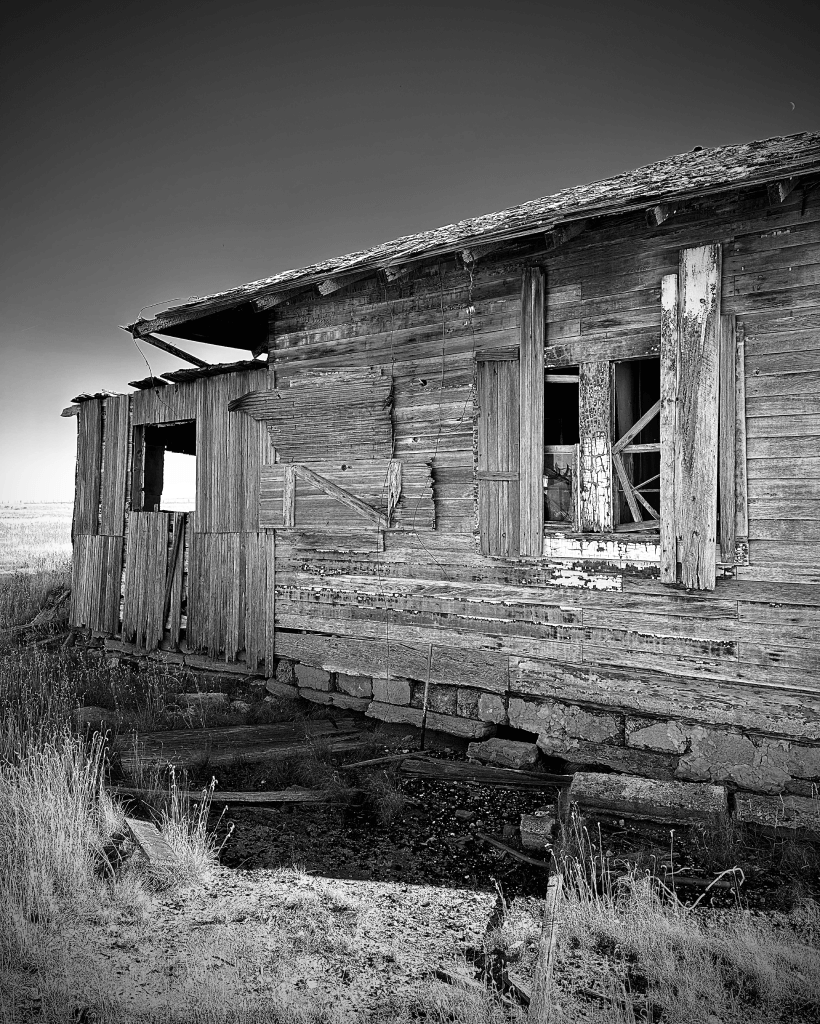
(152, 151)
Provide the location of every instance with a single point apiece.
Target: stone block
(392, 691)
(551, 718)
(647, 799)
(650, 734)
(467, 702)
(337, 700)
(760, 765)
(580, 753)
(281, 689)
(438, 723)
(355, 686)
(311, 678)
(240, 707)
(283, 673)
(506, 753)
(798, 814)
(803, 762)
(537, 830)
(491, 708)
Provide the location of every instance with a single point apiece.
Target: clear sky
(153, 151)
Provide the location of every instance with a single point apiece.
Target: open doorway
(164, 471)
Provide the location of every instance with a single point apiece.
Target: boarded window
(326, 415)
(498, 455)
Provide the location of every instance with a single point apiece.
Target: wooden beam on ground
(166, 346)
(265, 798)
(152, 844)
(509, 851)
(503, 778)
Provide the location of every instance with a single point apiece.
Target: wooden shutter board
(498, 387)
(699, 278)
(531, 413)
(741, 482)
(727, 425)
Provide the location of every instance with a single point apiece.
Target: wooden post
(697, 415)
(531, 413)
(541, 1003)
(594, 408)
(669, 395)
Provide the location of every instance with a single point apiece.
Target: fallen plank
(373, 761)
(628, 796)
(219, 746)
(504, 778)
(510, 852)
(291, 795)
(149, 840)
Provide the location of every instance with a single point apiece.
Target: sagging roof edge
(699, 173)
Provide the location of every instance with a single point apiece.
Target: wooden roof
(700, 172)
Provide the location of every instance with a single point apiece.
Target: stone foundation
(654, 746)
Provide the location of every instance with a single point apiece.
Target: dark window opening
(165, 467)
(636, 444)
(560, 446)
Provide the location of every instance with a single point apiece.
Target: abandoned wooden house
(553, 470)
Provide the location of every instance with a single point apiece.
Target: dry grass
(648, 956)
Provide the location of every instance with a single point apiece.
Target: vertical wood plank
(531, 412)
(697, 415)
(289, 496)
(89, 468)
(727, 420)
(741, 484)
(594, 415)
(115, 464)
(269, 540)
(498, 456)
(669, 393)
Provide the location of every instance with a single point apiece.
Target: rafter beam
(166, 346)
(563, 233)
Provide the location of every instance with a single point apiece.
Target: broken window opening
(164, 472)
(636, 458)
(561, 434)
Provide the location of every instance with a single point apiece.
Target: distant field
(34, 536)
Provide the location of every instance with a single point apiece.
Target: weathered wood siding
(596, 609)
(585, 643)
